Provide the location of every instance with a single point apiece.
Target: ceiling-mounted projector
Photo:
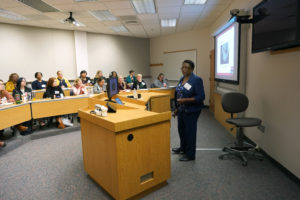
(70, 20)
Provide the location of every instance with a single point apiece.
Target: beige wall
(26, 50)
(272, 86)
(118, 53)
(184, 41)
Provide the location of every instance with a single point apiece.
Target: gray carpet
(48, 165)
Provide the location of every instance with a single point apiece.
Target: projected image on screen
(227, 54)
(224, 53)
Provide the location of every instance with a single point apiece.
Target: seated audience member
(12, 82)
(139, 83)
(130, 79)
(121, 83)
(113, 74)
(160, 81)
(61, 81)
(5, 97)
(79, 88)
(54, 91)
(38, 84)
(85, 79)
(21, 92)
(99, 86)
(98, 75)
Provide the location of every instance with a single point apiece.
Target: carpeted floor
(48, 165)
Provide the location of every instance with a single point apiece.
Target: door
(212, 81)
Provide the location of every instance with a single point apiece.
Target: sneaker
(67, 122)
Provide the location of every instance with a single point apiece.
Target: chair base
(241, 152)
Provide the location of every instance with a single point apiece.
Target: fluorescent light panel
(11, 15)
(119, 29)
(194, 2)
(103, 15)
(144, 6)
(168, 22)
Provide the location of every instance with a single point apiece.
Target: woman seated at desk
(139, 83)
(53, 91)
(5, 97)
(78, 88)
(99, 86)
(121, 84)
(98, 75)
(12, 82)
(38, 84)
(85, 79)
(160, 81)
(23, 93)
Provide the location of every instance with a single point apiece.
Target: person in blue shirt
(130, 79)
(38, 84)
(189, 97)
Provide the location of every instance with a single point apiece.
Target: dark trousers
(187, 129)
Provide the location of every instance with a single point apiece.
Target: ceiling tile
(192, 9)
(68, 7)
(24, 10)
(118, 5)
(112, 23)
(148, 17)
(168, 3)
(92, 5)
(123, 12)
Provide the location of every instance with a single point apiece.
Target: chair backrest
(234, 102)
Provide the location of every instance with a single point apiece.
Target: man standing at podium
(189, 97)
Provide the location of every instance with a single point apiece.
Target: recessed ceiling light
(119, 29)
(194, 2)
(103, 15)
(11, 15)
(144, 6)
(168, 22)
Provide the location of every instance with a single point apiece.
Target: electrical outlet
(261, 128)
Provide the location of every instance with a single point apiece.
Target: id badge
(187, 86)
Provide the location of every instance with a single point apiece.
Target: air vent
(39, 5)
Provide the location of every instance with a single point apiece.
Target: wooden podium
(127, 152)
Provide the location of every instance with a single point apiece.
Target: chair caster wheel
(244, 163)
(221, 157)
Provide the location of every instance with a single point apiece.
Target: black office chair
(235, 103)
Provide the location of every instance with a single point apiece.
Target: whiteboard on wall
(173, 62)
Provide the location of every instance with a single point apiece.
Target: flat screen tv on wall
(276, 25)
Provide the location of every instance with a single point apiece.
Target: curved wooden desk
(11, 115)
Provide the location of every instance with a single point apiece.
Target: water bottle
(17, 97)
(135, 94)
